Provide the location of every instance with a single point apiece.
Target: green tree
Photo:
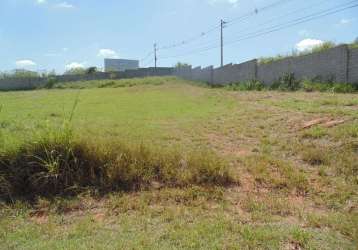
(75, 71)
(180, 65)
(91, 70)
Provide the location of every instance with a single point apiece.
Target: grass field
(292, 156)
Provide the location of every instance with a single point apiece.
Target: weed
(318, 85)
(116, 83)
(314, 156)
(343, 222)
(248, 85)
(51, 81)
(287, 82)
(301, 237)
(315, 133)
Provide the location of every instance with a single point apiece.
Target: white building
(120, 64)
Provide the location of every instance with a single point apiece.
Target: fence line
(339, 64)
(8, 84)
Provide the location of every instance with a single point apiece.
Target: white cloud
(41, 1)
(232, 2)
(64, 49)
(308, 44)
(64, 5)
(107, 53)
(25, 63)
(345, 21)
(75, 65)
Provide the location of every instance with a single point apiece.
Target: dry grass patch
(276, 174)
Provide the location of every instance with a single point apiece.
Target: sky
(46, 35)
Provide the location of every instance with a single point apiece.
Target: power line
(240, 18)
(221, 26)
(146, 57)
(215, 41)
(147, 64)
(275, 28)
(185, 42)
(257, 11)
(297, 21)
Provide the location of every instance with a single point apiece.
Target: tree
(20, 73)
(91, 70)
(49, 73)
(75, 71)
(181, 65)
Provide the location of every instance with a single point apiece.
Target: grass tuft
(57, 164)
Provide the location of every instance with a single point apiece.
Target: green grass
(115, 83)
(316, 49)
(293, 188)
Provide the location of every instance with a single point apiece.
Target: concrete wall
(326, 65)
(353, 66)
(232, 73)
(339, 64)
(207, 75)
(21, 83)
(221, 75)
(74, 78)
(183, 72)
(32, 83)
(196, 74)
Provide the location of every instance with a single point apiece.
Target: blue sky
(56, 34)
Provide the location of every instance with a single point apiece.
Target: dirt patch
(229, 146)
(39, 217)
(292, 246)
(99, 217)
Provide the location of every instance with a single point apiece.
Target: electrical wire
(275, 28)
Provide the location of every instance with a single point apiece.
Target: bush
(287, 83)
(50, 83)
(248, 85)
(309, 86)
(56, 164)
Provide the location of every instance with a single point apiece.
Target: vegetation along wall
(339, 64)
(27, 83)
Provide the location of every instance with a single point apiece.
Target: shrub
(317, 85)
(247, 85)
(287, 82)
(50, 83)
(324, 46)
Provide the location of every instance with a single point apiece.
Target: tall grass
(247, 85)
(319, 48)
(56, 163)
(110, 83)
(288, 82)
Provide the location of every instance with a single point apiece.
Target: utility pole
(222, 26)
(155, 56)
